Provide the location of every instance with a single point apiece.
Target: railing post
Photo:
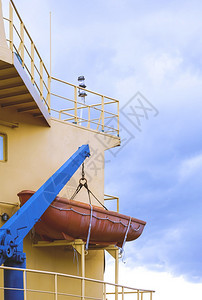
(56, 287)
(116, 273)
(11, 25)
(88, 117)
(117, 199)
(105, 292)
(118, 118)
(142, 296)
(75, 106)
(22, 50)
(25, 285)
(122, 293)
(138, 295)
(82, 272)
(32, 62)
(41, 79)
(103, 114)
(150, 295)
(49, 93)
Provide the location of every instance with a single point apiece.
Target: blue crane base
(13, 280)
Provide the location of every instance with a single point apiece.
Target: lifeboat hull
(69, 220)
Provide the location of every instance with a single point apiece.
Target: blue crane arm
(17, 227)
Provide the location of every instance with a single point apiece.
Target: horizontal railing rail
(81, 292)
(101, 115)
(22, 45)
(98, 112)
(111, 198)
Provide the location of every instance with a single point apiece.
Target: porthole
(3, 147)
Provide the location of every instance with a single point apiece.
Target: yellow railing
(98, 112)
(23, 46)
(55, 285)
(110, 198)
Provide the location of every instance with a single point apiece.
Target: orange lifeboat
(70, 220)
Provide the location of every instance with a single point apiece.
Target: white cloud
(166, 285)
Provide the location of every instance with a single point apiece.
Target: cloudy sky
(149, 53)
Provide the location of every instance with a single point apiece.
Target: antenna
(82, 94)
(50, 47)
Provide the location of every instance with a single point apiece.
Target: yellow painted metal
(49, 94)
(138, 294)
(25, 284)
(103, 114)
(22, 49)
(9, 204)
(82, 272)
(122, 293)
(109, 198)
(41, 79)
(11, 26)
(114, 252)
(88, 117)
(75, 105)
(104, 291)
(60, 276)
(56, 286)
(32, 62)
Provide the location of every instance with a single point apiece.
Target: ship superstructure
(43, 121)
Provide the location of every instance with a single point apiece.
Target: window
(3, 147)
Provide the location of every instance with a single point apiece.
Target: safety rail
(111, 198)
(22, 45)
(74, 290)
(101, 114)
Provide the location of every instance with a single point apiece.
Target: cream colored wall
(35, 152)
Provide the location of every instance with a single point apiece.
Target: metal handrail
(78, 277)
(21, 42)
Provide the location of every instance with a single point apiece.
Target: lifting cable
(83, 183)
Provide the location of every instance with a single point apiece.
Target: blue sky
(151, 47)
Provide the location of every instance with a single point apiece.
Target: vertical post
(56, 287)
(103, 114)
(141, 295)
(82, 272)
(150, 295)
(88, 116)
(11, 25)
(75, 105)
(117, 199)
(118, 118)
(105, 292)
(49, 93)
(138, 295)
(122, 293)
(32, 62)
(116, 272)
(22, 45)
(25, 284)
(41, 79)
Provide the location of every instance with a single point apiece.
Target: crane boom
(17, 227)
